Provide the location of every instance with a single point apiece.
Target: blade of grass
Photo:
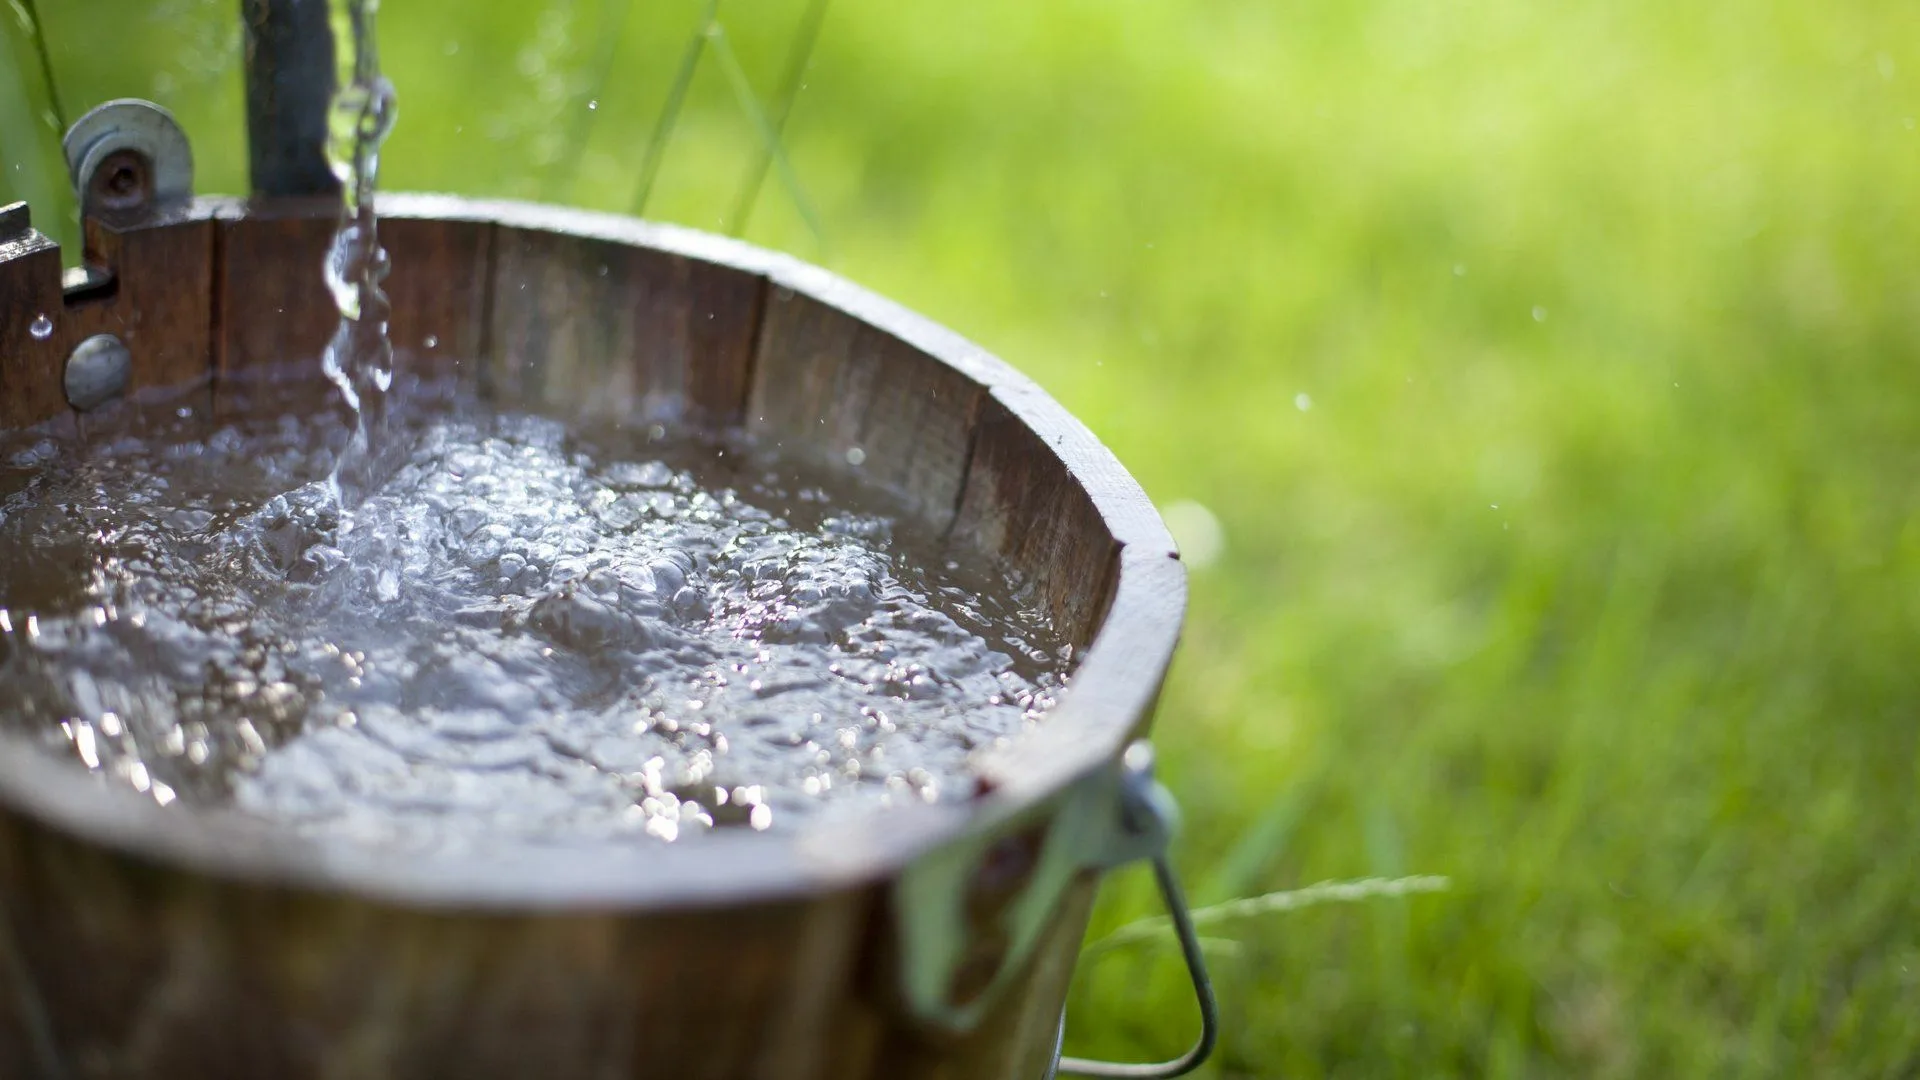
(37, 33)
(612, 31)
(1259, 846)
(670, 113)
(769, 138)
(799, 55)
(1325, 892)
(36, 171)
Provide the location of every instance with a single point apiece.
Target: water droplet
(1539, 313)
(856, 456)
(1302, 402)
(592, 105)
(1459, 269)
(41, 328)
(432, 342)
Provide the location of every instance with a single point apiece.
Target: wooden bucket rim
(1112, 691)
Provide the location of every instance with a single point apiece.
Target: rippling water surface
(527, 630)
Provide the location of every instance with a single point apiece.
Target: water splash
(359, 359)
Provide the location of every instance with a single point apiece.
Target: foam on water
(526, 630)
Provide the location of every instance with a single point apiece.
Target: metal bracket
(1197, 1055)
(971, 914)
(127, 159)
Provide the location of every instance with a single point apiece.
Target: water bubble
(41, 327)
(592, 105)
(432, 341)
(1302, 401)
(1539, 313)
(856, 456)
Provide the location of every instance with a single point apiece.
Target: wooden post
(290, 77)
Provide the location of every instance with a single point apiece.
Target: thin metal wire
(769, 138)
(799, 55)
(670, 113)
(39, 33)
(1176, 902)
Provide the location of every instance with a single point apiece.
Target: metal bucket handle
(971, 914)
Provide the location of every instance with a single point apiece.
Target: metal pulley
(127, 159)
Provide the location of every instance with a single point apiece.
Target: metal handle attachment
(971, 914)
(1147, 810)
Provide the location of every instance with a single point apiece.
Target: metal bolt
(97, 371)
(121, 187)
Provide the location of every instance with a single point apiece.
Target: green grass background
(1591, 576)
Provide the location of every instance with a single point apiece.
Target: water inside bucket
(529, 629)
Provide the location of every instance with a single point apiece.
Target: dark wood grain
(161, 306)
(617, 329)
(162, 973)
(273, 304)
(1022, 505)
(439, 291)
(30, 367)
(832, 388)
(158, 304)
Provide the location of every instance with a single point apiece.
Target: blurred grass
(1589, 578)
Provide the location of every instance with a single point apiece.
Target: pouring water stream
(359, 359)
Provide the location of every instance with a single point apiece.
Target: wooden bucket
(141, 941)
